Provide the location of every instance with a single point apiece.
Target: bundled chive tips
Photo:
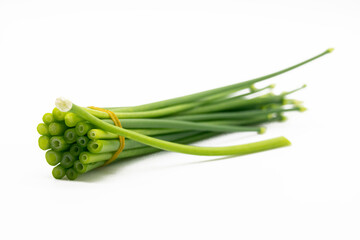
(79, 139)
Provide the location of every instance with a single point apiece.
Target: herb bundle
(78, 140)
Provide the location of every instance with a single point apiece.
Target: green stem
(72, 119)
(87, 159)
(156, 131)
(58, 115)
(71, 174)
(236, 86)
(52, 157)
(82, 141)
(44, 142)
(48, 118)
(43, 129)
(82, 128)
(236, 104)
(295, 90)
(252, 91)
(102, 146)
(247, 119)
(67, 160)
(206, 100)
(184, 125)
(58, 172)
(232, 115)
(169, 146)
(57, 128)
(83, 168)
(101, 134)
(146, 114)
(58, 143)
(131, 144)
(75, 149)
(70, 135)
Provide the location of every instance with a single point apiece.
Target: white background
(122, 53)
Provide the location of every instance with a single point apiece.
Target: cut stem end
(63, 104)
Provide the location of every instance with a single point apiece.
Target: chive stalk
(44, 142)
(70, 135)
(58, 172)
(58, 115)
(82, 141)
(146, 114)
(53, 158)
(94, 159)
(237, 86)
(83, 168)
(48, 118)
(101, 134)
(71, 174)
(67, 160)
(252, 90)
(234, 115)
(156, 131)
(58, 143)
(57, 128)
(237, 104)
(65, 105)
(75, 149)
(131, 144)
(82, 128)
(101, 146)
(42, 129)
(72, 119)
(177, 124)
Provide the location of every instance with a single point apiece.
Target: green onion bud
(262, 130)
(301, 108)
(252, 88)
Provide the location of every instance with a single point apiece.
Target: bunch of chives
(78, 140)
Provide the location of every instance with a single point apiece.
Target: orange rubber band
(121, 138)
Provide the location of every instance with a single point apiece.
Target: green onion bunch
(79, 139)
